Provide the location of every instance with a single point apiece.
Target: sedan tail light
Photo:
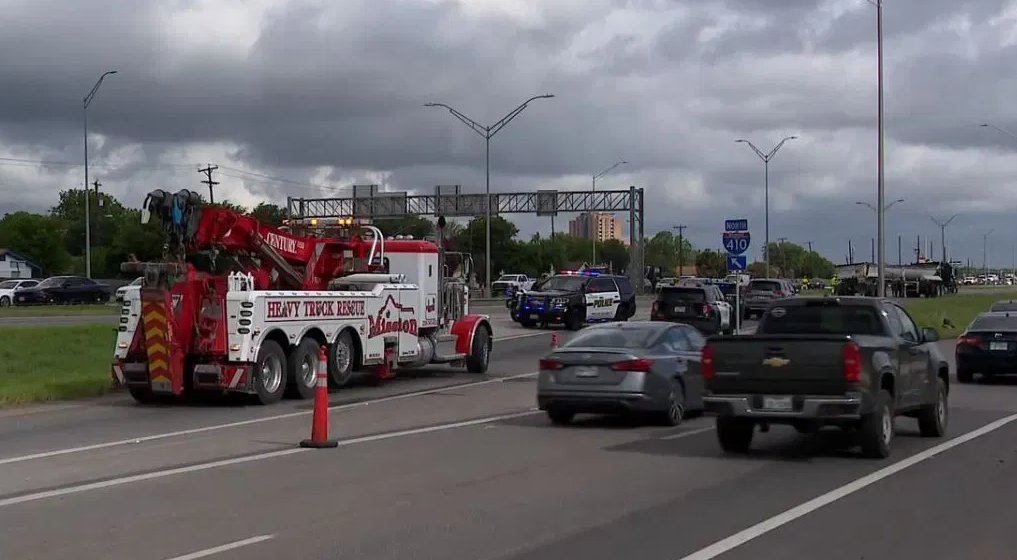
(778, 293)
(551, 364)
(643, 365)
(967, 340)
(707, 310)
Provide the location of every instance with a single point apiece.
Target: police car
(575, 300)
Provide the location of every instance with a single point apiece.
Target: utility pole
(851, 253)
(809, 243)
(783, 257)
(873, 249)
(681, 247)
(208, 180)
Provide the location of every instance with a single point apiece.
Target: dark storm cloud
(341, 86)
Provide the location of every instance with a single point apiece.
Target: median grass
(54, 363)
(958, 310)
(58, 310)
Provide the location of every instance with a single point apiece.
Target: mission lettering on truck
(313, 309)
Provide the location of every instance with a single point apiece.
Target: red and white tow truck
(241, 307)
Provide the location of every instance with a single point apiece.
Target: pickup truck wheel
(932, 419)
(270, 372)
(560, 417)
(675, 412)
(965, 375)
(876, 430)
(735, 434)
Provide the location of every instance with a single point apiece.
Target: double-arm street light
(487, 132)
(766, 157)
(881, 191)
(942, 231)
(595, 227)
(998, 129)
(88, 227)
(875, 209)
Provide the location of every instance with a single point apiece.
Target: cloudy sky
(307, 97)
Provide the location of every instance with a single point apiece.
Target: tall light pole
(594, 231)
(942, 231)
(766, 157)
(881, 191)
(985, 253)
(488, 132)
(88, 226)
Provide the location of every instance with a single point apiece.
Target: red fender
(465, 328)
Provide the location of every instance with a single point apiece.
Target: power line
(208, 180)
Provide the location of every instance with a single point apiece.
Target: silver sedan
(638, 367)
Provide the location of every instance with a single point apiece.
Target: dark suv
(761, 293)
(575, 300)
(699, 306)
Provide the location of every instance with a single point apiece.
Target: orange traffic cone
(319, 423)
(554, 340)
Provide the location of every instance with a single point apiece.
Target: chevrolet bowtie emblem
(776, 361)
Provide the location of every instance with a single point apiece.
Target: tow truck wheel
(303, 365)
(480, 353)
(270, 373)
(341, 360)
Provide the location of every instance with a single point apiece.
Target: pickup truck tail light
(643, 365)
(707, 362)
(852, 359)
(551, 364)
(967, 340)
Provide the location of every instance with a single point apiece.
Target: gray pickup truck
(852, 362)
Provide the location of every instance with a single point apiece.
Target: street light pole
(487, 132)
(766, 157)
(985, 252)
(942, 232)
(88, 226)
(594, 230)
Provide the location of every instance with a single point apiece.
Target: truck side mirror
(929, 334)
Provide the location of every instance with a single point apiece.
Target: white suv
(8, 287)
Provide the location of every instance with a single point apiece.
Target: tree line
(55, 241)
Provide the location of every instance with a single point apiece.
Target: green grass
(58, 310)
(960, 309)
(54, 363)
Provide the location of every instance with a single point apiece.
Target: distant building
(14, 266)
(597, 225)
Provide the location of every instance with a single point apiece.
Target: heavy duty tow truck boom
(240, 306)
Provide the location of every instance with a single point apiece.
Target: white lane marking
(680, 435)
(250, 458)
(734, 541)
(223, 548)
(203, 429)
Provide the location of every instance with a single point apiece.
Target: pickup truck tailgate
(785, 364)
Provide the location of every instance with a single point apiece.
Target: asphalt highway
(446, 465)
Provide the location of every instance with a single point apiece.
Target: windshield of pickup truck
(822, 319)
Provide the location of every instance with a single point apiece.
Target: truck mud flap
(227, 378)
